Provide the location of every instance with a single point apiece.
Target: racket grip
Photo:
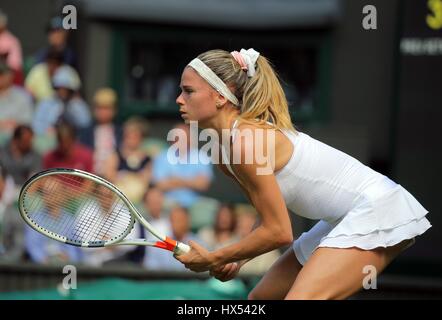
(181, 248)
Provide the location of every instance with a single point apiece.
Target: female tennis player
(366, 219)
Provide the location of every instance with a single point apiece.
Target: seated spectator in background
(44, 250)
(182, 182)
(103, 136)
(66, 103)
(57, 41)
(7, 190)
(129, 167)
(223, 233)
(68, 153)
(103, 210)
(10, 50)
(247, 218)
(18, 157)
(39, 79)
(163, 260)
(11, 225)
(156, 212)
(15, 103)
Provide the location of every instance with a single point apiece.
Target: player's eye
(187, 90)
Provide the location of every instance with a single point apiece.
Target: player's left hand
(198, 259)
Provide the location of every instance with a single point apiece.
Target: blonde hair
(261, 97)
(138, 124)
(105, 97)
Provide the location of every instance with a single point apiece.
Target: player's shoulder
(251, 134)
(254, 126)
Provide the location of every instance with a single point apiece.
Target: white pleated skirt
(384, 216)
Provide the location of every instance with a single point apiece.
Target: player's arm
(220, 269)
(275, 228)
(274, 231)
(263, 191)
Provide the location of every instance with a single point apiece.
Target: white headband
(210, 76)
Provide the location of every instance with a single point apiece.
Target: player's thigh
(278, 280)
(335, 273)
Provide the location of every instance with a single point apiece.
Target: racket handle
(181, 248)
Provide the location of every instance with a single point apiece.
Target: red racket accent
(168, 244)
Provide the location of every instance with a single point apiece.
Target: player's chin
(186, 118)
(189, 119)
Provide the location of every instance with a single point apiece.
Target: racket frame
(164, 243)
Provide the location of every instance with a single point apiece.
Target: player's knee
(307, 296)
(299, 294)
(252, 295)
(256, 294)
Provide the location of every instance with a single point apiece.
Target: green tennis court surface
(114, 288)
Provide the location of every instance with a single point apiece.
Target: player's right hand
(225, 272)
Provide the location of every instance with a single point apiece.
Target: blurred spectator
(103, 136)
(223, 233)
(157, 214)
(10, 50)
(110, 255)
(15, 103)
(153, 206)
(182, 182)
(39, 79)
(7, 190)
(160, 259)
(18, 157)
(66, 103)
(68, 153)
(129, 167)
(44, 250)
(11, 226)
(247, 218)
(57, 41)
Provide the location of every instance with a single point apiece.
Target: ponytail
(261, 96)
(264, 98)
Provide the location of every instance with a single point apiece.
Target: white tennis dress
(356, 206)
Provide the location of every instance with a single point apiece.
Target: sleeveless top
(320, 182)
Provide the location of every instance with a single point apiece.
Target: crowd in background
(45, 123)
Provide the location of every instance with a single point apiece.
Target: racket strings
(48, 220)
(63, 226)
(76, 208)
(79, 226)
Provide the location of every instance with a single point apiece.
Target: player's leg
(277, 281)
(335, 273)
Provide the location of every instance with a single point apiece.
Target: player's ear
(220, 101)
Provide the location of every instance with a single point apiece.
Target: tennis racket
(82, 209)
